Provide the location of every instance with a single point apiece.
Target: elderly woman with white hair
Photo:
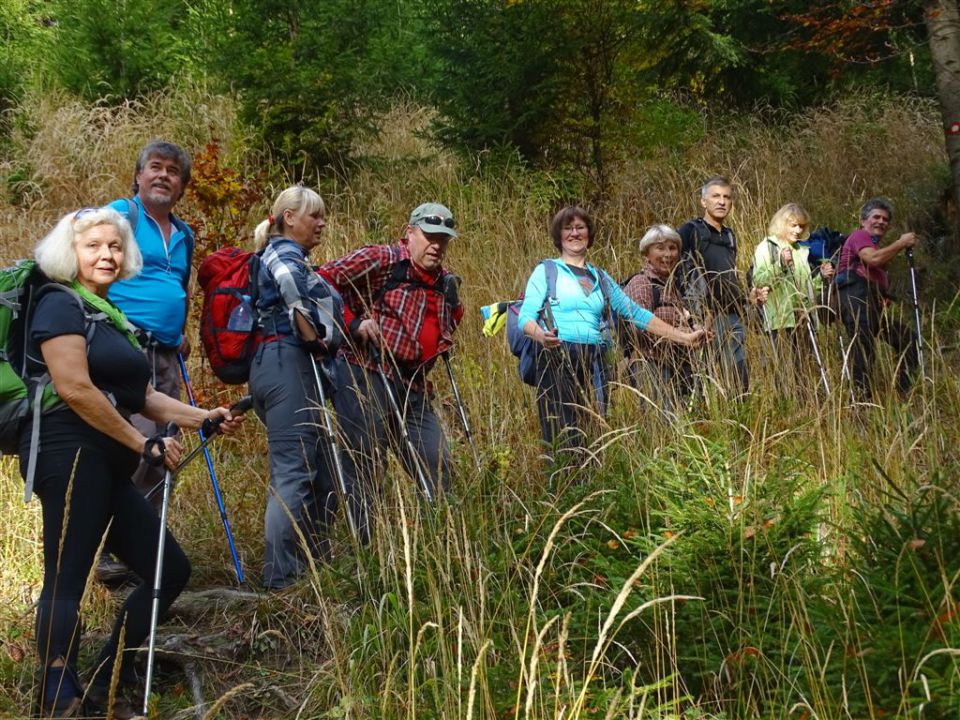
(87, 452)
(663, 369)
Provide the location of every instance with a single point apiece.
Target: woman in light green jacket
(780, 265)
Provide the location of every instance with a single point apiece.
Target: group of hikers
(362, 333)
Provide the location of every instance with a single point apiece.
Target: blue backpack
(824, 245)
(522, 346)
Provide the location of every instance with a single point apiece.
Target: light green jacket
(792, 289)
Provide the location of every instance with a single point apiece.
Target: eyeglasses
(438, 220)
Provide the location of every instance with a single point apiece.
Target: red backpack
(228, 320)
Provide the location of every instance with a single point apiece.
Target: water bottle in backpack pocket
(228, 327)
(241, 317)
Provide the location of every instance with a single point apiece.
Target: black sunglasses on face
(438, 220)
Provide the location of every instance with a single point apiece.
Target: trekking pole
(210, 429)
(334, 450)
(812, 333)
(171, 430)
(565, 360)
(816, 353)
(916, 309)
(395, 406)
(204, 439)
(463, 412)
(766, 322)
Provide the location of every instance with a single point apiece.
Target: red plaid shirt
(671, 310)
(400, 312)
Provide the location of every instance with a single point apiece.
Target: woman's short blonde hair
(56, 254)
(296, 198)
(791, 212)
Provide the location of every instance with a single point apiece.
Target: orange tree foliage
(220, 202)
(848, 32)
(223, 198)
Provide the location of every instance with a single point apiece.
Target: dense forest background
(573, 85)
(791, 555)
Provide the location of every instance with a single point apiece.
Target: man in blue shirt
(156, 300)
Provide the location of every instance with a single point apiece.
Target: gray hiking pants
(369, 427)
(165, 378)
(301, 498)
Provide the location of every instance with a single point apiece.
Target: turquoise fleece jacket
(578, 316)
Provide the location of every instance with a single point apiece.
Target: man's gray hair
(167, 151)
(715, 180)
(877, 203)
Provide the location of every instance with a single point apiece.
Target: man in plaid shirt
(401, 308)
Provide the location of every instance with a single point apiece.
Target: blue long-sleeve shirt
(578, 315)
(156, 299)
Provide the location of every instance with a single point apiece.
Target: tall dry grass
(475, 607)
(66, 154)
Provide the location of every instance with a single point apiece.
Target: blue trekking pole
(213, 475)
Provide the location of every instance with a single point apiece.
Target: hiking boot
(113, 574)
(59, 694)
(96, 703)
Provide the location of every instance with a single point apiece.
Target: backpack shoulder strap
(187, 232)
(703, 234)
(602, 280)
(42, 384)
(550, 272)
(133, 214)
(90, 316)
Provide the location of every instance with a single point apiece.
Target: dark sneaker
(96, 704)
(113, 573)
(59, 694)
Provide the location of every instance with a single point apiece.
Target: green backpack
(23, 396)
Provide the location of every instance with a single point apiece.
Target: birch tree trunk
(942, 18)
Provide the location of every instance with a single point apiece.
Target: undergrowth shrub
(896, 629)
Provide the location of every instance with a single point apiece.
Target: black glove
(451, 289)
(154, 443)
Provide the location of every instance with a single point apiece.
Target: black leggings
(100, 494)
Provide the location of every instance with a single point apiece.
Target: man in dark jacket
(709, 253)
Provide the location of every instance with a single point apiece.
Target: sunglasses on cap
(437, 220)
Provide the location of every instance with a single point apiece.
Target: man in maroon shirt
(864, 291)
(401, 308)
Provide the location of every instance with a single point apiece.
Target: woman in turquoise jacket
(781, 266)
(570, 320)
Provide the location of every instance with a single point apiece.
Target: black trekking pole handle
(211, 427)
